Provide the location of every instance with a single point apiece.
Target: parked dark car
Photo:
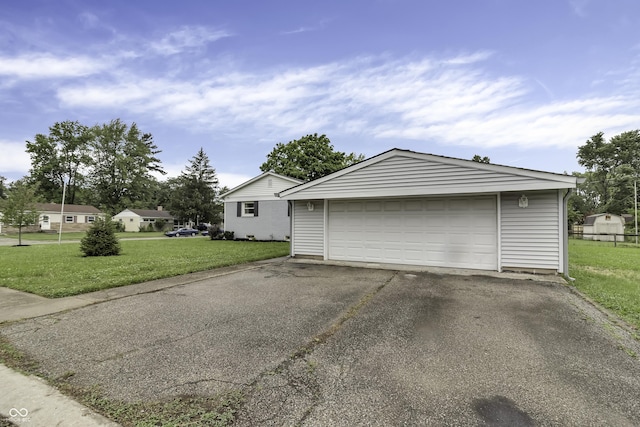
(182, 232)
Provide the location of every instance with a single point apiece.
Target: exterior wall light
(523, 202)
(310, 206)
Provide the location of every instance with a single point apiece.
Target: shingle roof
(152, 213)
(55, 207)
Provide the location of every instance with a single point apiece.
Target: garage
(442, 232)
(404, 207)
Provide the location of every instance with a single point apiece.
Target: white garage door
(446, 232)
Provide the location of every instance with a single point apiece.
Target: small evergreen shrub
(100, 239)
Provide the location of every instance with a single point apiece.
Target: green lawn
(77, 235)
(61, 270)
(609, 275)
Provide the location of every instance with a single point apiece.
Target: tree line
(612, 168)
(113, 167)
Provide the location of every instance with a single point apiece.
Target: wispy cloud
(187, 38)
(47, 66)
(452, 100)
(307, 28)
(579, 7)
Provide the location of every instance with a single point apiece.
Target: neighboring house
(603, 227)
(404, 207)
(137, 219)
(253, 210)
(73, 217)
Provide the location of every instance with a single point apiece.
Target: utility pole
(635, 200)
(64, 193)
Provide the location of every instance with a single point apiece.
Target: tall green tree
(308, 158)
(612, 166)
(19, 208)
(195, 193)
(3, 190)
(124, 159)
(60, 158)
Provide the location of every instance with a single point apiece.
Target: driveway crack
(294, 381)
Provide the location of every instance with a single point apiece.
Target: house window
(91, 219)
(68, 219)
(247, 209)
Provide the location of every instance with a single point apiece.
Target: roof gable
(407, 173)
(261, 187)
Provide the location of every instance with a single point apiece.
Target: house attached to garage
(404, 207)
(253, 210)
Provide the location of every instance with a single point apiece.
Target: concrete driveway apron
(334, 345)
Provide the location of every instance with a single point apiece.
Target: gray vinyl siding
(408, 176)
(308, 228)
(264, 188)
(530, 237)
(272, 222)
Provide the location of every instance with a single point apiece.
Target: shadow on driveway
(332, 345)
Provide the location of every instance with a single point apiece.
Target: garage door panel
(451, 232)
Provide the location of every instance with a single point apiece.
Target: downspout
(291, 219)
(565, 240)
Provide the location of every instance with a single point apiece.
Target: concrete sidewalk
(29, 400)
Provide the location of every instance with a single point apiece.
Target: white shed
(404, 207)
(603, 227)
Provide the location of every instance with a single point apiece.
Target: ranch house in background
(73, 218)
(139, 219)
(253, 210)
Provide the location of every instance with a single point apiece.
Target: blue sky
(523, 82)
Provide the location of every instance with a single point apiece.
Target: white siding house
(253, 210)
(404, 207)
(135, 220)
(72, 217)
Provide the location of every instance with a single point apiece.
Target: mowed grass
(609, 275)
(54, 271)
(77, 235)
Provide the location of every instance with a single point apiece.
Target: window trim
(244, 211)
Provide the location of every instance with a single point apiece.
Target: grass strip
(61, 270)
(608, 275)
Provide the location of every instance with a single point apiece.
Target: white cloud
(187, 38)
(46, 66)
(14, 158)
(231, 180)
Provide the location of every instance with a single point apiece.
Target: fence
(605, 237)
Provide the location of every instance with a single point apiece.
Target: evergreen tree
(195, 192)
(100, 239)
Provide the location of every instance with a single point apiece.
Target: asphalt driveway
(314, 345)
